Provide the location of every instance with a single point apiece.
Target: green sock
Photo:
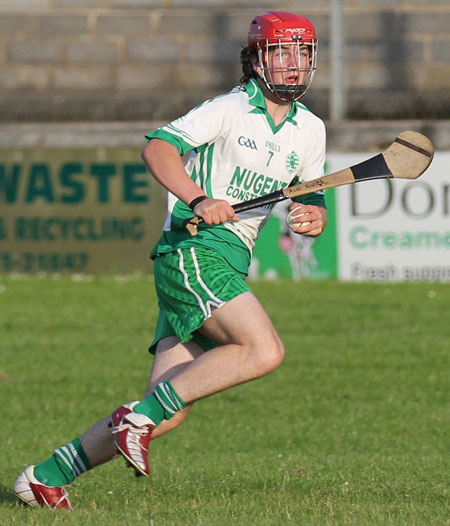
(162, 404)
(66, 463)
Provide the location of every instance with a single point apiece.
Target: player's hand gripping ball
(294, 218)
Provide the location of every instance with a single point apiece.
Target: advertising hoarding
(394, 230)
(77, 210)
(98, 210)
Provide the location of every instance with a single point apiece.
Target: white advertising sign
(394, 230)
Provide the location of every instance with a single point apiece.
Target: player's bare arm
(164, 162)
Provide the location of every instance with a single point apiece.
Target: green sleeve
(316, 198)
(182, 146)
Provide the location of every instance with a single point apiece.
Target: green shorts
(190, 283)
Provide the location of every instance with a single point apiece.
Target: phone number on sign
(43, 262)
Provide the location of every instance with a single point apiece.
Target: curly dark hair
(247, 54)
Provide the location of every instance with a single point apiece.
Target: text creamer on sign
(394, 230)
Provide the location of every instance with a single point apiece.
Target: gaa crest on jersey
(292, 162)
(248, 143)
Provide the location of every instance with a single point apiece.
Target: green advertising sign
(77, 210)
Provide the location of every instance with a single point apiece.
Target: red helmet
(282, 28)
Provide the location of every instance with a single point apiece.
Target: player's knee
(276, 353)
(270, 356)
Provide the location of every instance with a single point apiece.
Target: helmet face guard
(290, 81)
(286, 48)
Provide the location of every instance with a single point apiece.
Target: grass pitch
(351, 430)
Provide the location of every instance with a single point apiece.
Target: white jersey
(240, 154)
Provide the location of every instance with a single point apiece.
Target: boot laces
(135, 432)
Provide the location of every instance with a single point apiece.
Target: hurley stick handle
(191, 224)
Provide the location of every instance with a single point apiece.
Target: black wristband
(196, 201)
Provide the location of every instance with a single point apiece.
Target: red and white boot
(132, 433)
(32, 492)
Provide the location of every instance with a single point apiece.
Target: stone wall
(153, 59)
